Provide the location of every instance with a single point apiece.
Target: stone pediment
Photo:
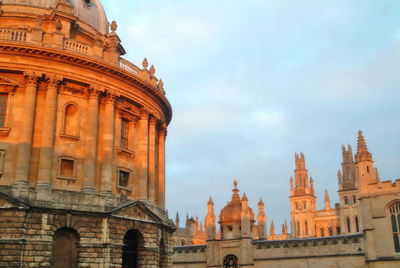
(7, 201)
(135, 210)
(7, 82)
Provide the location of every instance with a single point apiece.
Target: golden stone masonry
(82, 142)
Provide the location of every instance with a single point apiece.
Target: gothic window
(338, 230)
(65, 249)
(304, 204)
(231, 261)
(395, 220)
(357, 224)
(322, 232)
(298, 228)
(354, 199)
(306, 226)
(3, 108)
(2, 159)
(367, 169)
(71, 121)
(330, 231)
(348, 224)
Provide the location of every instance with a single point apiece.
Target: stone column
(91, 142)
(142, 155)
(21, 183)
(47, 141)
(162, 134)
(152, 160)
(107, 148)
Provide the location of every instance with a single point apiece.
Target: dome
(88, 11)
(231, 212)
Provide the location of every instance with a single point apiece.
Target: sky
(253, 82)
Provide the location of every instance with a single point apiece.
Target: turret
(301, 181)
(272, 230)
(245, 217)
(177, 220)
(210, 221)
(262, 220)
(365, 165)
(327, 200)
(347, 178)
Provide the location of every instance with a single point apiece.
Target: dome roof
(231, 212)
(88, 11)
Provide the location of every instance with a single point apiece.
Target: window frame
(128, 187)
(68, 179)
(393, 209)
(76, 135)
(7, 86)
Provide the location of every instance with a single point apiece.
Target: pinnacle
(362, 146)
(261, 202)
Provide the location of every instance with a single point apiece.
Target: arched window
(133, 244)
(231, 261)
(357, 224)
(71, 120)
(348, 225)
(306, 227)
(65, 249)
(395, 220)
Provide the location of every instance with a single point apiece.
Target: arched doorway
(65, 248)
(133, 244)
(231, 261)
(163, 261)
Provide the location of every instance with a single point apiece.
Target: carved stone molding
(32, 78)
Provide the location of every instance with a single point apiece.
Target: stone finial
(272, 229)
(362, 151)
(152, 70)
(210, 201)
(58, 25)
(327, 200)
(113, 26)
(160, 86)
(261, 202)
(145, 63)
(244, 198)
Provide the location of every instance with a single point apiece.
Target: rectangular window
(3, 108)
(123, 178)
(124, 133)
(67, 168)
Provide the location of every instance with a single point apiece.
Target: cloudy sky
(252, 82)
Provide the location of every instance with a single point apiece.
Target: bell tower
(302, 200)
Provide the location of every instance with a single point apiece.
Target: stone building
(363, 230)
(82, 144)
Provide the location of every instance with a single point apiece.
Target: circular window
(87, 1)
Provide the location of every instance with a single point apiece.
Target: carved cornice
(64, 56)
(144, 115)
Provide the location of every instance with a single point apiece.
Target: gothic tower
(302, 200)
(349, 214)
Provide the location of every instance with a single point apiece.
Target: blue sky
(252, 82)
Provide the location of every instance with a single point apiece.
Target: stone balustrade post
(47, 140)
(21, 182)
(91, 142)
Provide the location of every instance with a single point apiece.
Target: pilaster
(107, 149)
(162, 135)
(142, 155)
(47, 142)
(91, 142)
(152, 159)
(21, 183)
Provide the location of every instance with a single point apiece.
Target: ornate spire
(272, 229)
(235, 190)
(210, 201)
(177, 219)
(261, 203)
(362, 151)
(327, 200)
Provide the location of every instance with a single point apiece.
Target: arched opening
(231, 261)
(394, 211)
(71, 120)
(65, 249)
(133, 245)
(163, 261)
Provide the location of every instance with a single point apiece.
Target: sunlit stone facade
(363, 230)
(82, 144)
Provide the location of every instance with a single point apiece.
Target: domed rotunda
(82, 142)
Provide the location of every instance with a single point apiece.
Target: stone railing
(308, 242)
(128, 66)
(322, 213)
(76, 47)
(13, 34)
(190, 249)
